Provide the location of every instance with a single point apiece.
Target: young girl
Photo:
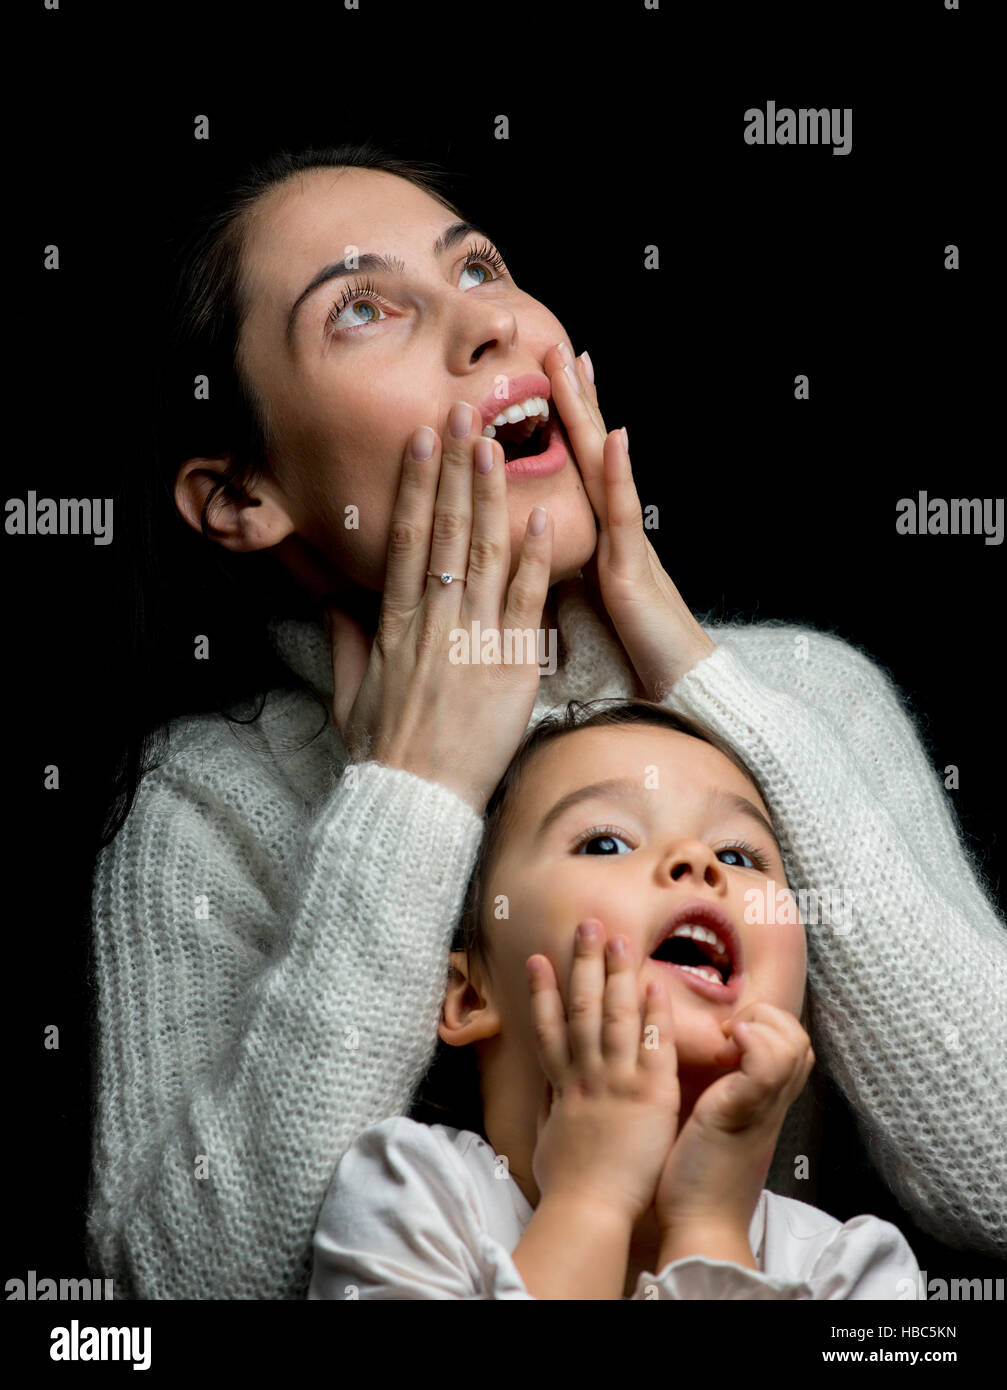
(632, 1079)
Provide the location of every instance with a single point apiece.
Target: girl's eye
(750, 852)
(602, 835)
(606, 836)
(363, 295)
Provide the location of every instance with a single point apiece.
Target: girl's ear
(467, 1015)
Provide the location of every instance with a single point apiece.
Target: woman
(245, 1036)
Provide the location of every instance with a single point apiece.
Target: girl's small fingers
(620, 1030)
(548, 1018)
(657, 1041)
(584, 1002)
(782, 1027)
(771, 1057)
(544, 1107)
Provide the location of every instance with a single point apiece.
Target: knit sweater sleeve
(909, 985)
(251, 1024)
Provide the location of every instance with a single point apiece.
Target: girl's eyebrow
(731, 801)
(629, 790)
(388, 265)
(623, 787)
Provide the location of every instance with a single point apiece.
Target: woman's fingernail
(537, 523)
(484, 454)
(564, 351)
(572, 377)
(625, 438)
(423, 442)
(460, 419)
(588, 368)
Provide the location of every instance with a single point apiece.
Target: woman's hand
(655, 625)
(415, 698)
(717, 1167)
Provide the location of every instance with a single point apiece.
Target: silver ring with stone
(447, 578)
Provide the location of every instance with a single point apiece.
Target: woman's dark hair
(184, 584)
(449, 1093)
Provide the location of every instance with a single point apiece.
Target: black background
(626, 130)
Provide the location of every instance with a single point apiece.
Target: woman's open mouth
(544, 451)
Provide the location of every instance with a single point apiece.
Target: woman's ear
(468, 1013)
(238, 520)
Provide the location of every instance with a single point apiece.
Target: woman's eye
(606, 840)
(477, 265)
(360, 304)
(362, 298)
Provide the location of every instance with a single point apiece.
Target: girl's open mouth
(697, 964)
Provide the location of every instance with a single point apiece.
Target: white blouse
(427, 1211)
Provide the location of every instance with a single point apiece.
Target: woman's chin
(565, 570)
(574, 543)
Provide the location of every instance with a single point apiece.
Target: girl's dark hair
(183, 584)
(449, 1093)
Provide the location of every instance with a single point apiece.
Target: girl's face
(630, 856)
(348, 386)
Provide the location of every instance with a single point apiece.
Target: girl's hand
(717, 1168)
(404, 701)
(655, 625)
(610, 1108)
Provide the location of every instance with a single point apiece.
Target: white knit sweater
(270, 951)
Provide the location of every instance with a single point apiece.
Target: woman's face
(347, 389)
(631, 856)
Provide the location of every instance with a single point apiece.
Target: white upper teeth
(511, 414)
(701, 934)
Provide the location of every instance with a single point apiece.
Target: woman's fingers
(627, 554)
(530, 585)
(411, 526)
(432, 519)
(584, 426)
(489, 549)
(452, 526)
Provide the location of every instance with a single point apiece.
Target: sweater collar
(591, 663)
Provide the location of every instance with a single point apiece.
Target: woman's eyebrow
(388, 265)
